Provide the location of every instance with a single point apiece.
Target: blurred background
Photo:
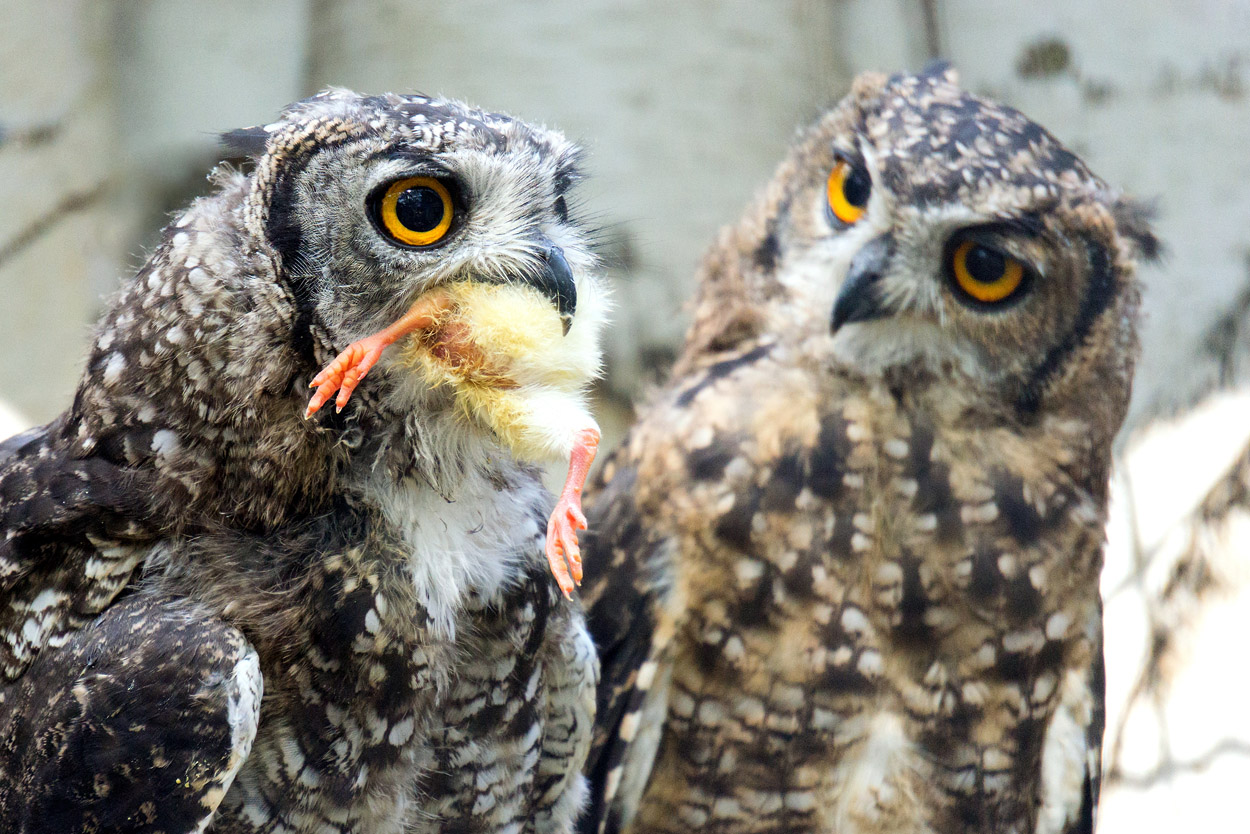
(109, 111)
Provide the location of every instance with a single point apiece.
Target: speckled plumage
(182, 539)
(843, 573)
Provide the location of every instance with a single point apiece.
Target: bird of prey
(843, 572)
(225, 610)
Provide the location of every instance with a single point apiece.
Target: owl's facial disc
(422, 212)
(978, 273)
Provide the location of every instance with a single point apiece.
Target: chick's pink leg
(350, 366)
(567, 518)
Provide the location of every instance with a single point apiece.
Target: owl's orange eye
(415, 211)
(848, 187)
(985, 274)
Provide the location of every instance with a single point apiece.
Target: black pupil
(419, 209)
(856, 187)
(984, 265)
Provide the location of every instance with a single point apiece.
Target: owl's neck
(408, 433)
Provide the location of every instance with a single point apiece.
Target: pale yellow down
(531, 391)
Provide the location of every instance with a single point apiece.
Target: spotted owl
(843, 572)
(228, 610)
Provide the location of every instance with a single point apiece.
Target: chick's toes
(567, 517)
(351, 365)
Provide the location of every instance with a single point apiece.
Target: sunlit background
(109, 112)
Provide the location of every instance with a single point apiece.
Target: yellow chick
(520, 374)
(503, 352)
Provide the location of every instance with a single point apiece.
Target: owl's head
(917, 226)
(372, 201)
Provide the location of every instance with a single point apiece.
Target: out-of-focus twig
(30, 136)
(70, 204)
(1172, 610)
(932, 36)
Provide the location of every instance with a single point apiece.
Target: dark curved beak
(556, 283)
(860, 297)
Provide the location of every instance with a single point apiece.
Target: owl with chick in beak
(227, 608)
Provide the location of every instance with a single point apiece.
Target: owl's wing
(138, 723)
(626, 573)
(141, 717)
(74, 534)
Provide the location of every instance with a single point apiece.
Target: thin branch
(932, 35)
(31, 136)
(70, 204)
(1167, 770)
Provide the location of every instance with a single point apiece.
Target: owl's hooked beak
(860, 297)
(556, 283)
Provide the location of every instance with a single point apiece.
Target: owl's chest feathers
(411, 611)
(895, 549)
(847, 481)
(461, 551)
(904, 591)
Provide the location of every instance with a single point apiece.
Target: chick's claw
(345, 373)
(568, 518)
(350, 366)
(563, 554)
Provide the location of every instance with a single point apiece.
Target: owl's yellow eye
(985, 274)
(416, 211)
(848, 187)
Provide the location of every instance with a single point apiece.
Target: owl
(843, 572)
(225, 609)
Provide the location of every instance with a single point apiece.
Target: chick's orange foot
(563, 554)
(350, 366)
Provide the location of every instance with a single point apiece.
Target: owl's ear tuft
(1134, 221)
(246, 141)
